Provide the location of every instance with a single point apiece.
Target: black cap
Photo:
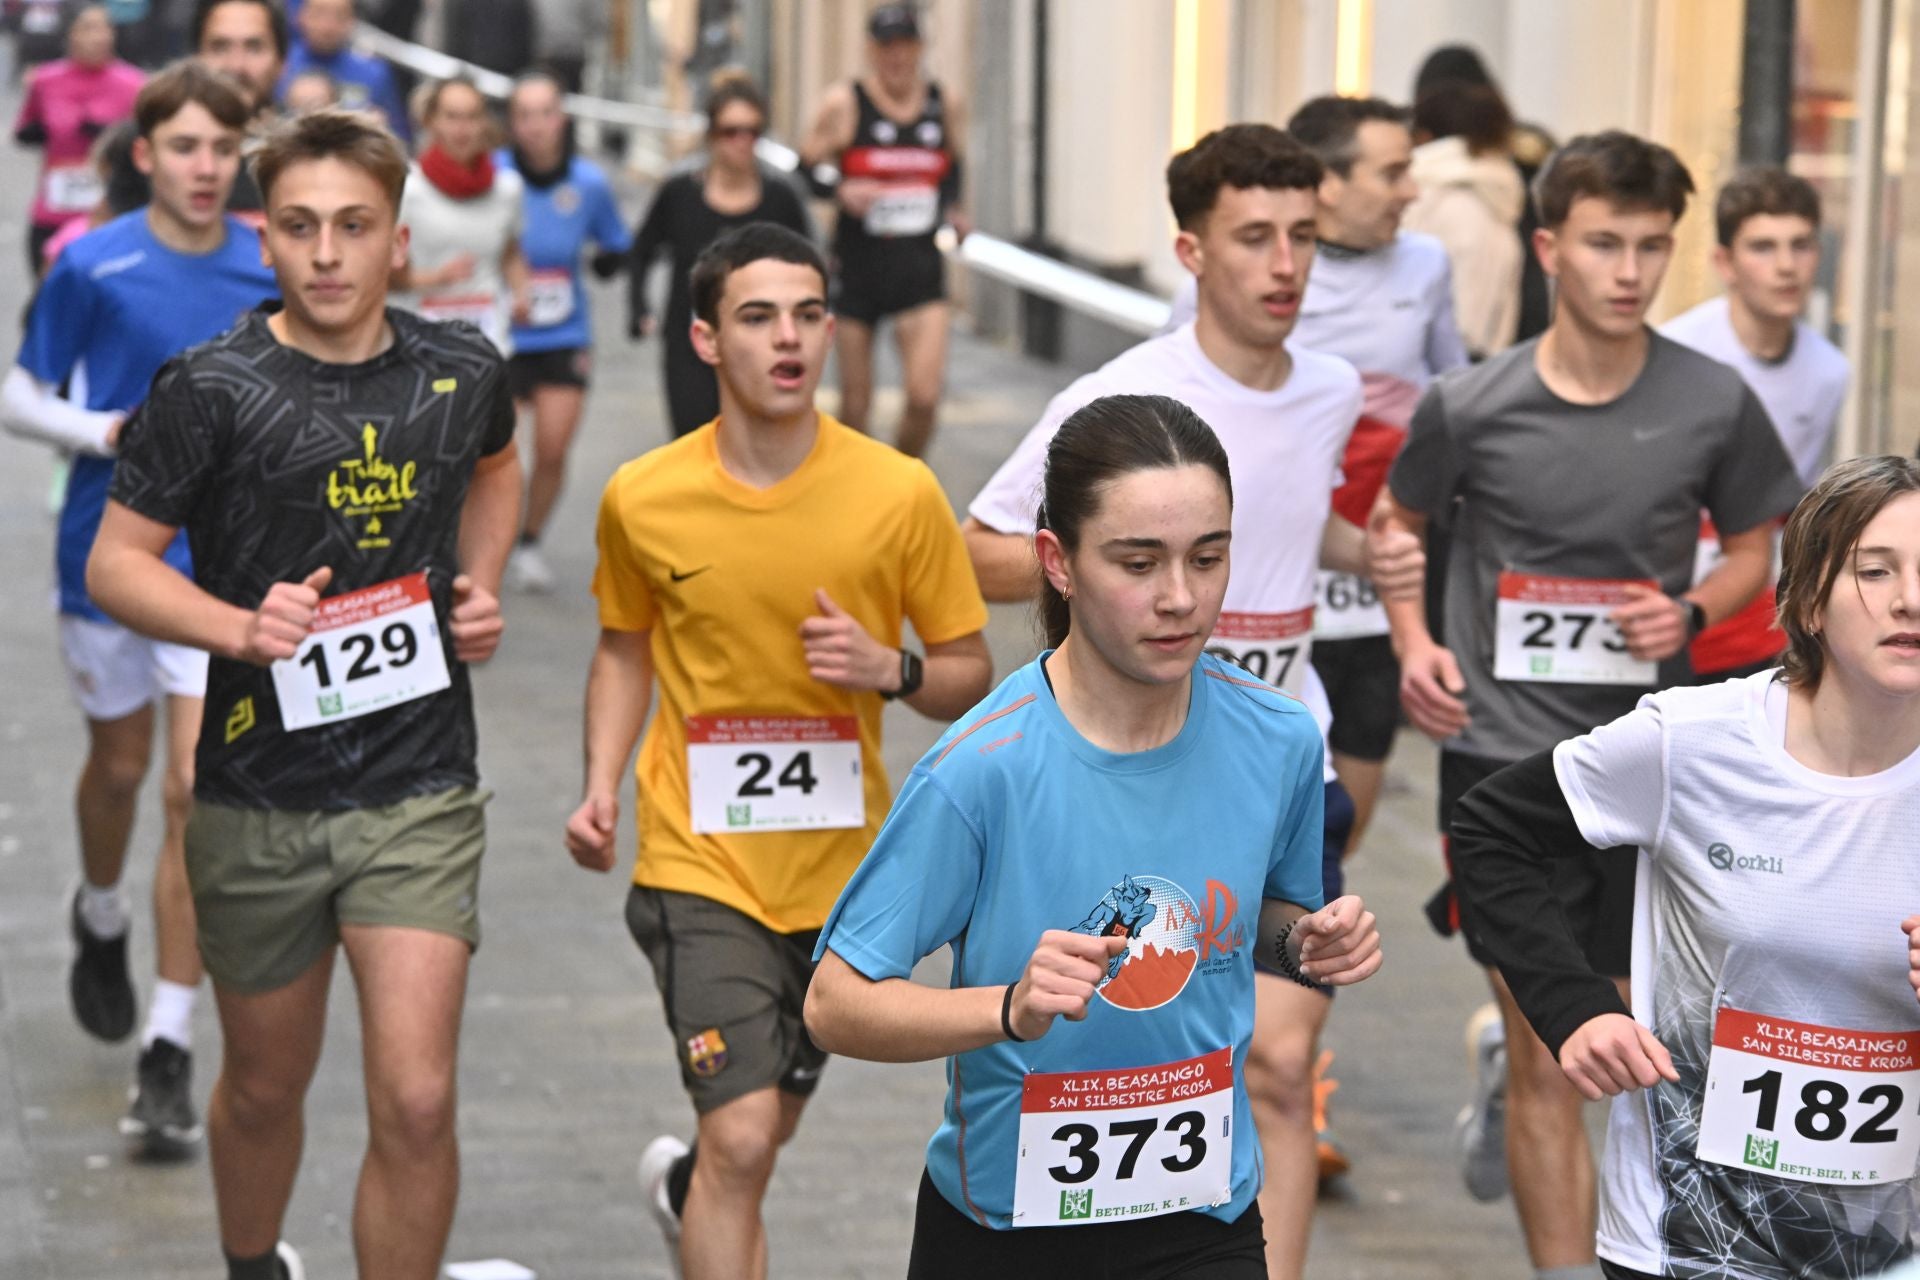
(892, 22)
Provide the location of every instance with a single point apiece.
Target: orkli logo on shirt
(1169, 936)
(1724, 858)
(371, 487)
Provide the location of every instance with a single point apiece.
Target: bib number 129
(398, 646)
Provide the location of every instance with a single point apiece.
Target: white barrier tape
(1125, 308)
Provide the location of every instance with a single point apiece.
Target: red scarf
(455, 180)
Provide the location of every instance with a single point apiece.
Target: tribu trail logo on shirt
(1169, 936)
(371, 487)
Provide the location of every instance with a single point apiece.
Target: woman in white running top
(1766, 1113)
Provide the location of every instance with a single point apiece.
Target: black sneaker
(102, 992)
(162, 1114)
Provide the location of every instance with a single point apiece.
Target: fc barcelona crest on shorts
(706, 1053)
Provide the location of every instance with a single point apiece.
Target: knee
(414, 1116)
(923, 404)
(119, 770)
(739, 1156)
(260, 1099)
(1280, 1077)
(177, 795)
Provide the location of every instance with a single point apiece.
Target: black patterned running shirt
(277, 464)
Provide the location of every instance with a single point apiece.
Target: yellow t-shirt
(723, 574)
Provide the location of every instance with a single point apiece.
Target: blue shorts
(1335, 830)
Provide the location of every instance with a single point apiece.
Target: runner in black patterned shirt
(347, 480)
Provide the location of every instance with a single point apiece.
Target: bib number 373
(1809, 1103)
(1134, 1142)
(367, 650)
(748, 774)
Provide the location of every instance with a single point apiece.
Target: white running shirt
(1770, 889)
(1283, 446)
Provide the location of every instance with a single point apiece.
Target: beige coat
(1472, 204)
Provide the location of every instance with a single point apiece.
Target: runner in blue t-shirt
(117, 304)
(569, 203)
(1111, 837)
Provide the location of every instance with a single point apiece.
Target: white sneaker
(655, 1163)
(290, 1264)
(1480, 1132)
(528, 570)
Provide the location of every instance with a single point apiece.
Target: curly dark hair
(1240, 156)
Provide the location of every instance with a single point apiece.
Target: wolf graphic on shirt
(1165, 929)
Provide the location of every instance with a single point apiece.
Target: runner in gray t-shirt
(1581, 462)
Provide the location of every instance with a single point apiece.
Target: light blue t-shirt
(1014, 824)
(118, 304)
(560, 222)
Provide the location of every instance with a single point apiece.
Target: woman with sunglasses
(690, 211)
(569, 208)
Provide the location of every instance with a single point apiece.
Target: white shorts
(114, 672)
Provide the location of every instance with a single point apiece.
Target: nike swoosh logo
(677, 576)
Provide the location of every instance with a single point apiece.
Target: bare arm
(519, 277)
(897, 1019)
(490, 520)
(1406, 617)
(619, 691)
(128, 577)
(832, 128)
(1343, 546)
(1738, 578)
(1431, 687)
(1004, 563)
(957, 675)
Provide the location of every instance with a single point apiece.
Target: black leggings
(1614, 1271)
(948, 1245)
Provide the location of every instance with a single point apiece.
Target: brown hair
(190, 81)
(1751, 193)
(431, 92)
(1239, 156)
(1615, 166)
(351, 137)
(1820, 539)
(728, 86)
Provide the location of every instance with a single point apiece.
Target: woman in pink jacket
(69, 103)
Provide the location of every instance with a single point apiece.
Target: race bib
(1133, 1142)
(74, 189)
(550, 298)
(749, 774)
(1275, 647)
(904, 211)
(1348, 608)
(1557, 631)
(479, 309)
(1811, 1104)
(368, 650)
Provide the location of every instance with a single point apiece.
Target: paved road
(567, 1070)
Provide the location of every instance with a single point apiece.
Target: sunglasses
(733, 132)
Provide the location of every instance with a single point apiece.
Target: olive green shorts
(272, 887)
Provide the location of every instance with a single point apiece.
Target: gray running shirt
(1609, 491)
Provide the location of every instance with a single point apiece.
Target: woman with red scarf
(464, 260)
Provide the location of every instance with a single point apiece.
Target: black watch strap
(1696, 616)
(912, 672)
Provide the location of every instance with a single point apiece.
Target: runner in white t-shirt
(1768, 226)
(1244, 199)
(1775, 957)
(1382, 300)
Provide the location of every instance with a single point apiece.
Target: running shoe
(1333, 1160)
(98, 984)
(162, 1114)
(291, 1268)
(656, 1162)
(529, 571)
(1481, 1131)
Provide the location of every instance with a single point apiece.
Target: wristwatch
(1696, 616)
(912, 672)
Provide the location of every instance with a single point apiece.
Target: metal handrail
(990, 256)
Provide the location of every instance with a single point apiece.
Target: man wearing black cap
(885, 148)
